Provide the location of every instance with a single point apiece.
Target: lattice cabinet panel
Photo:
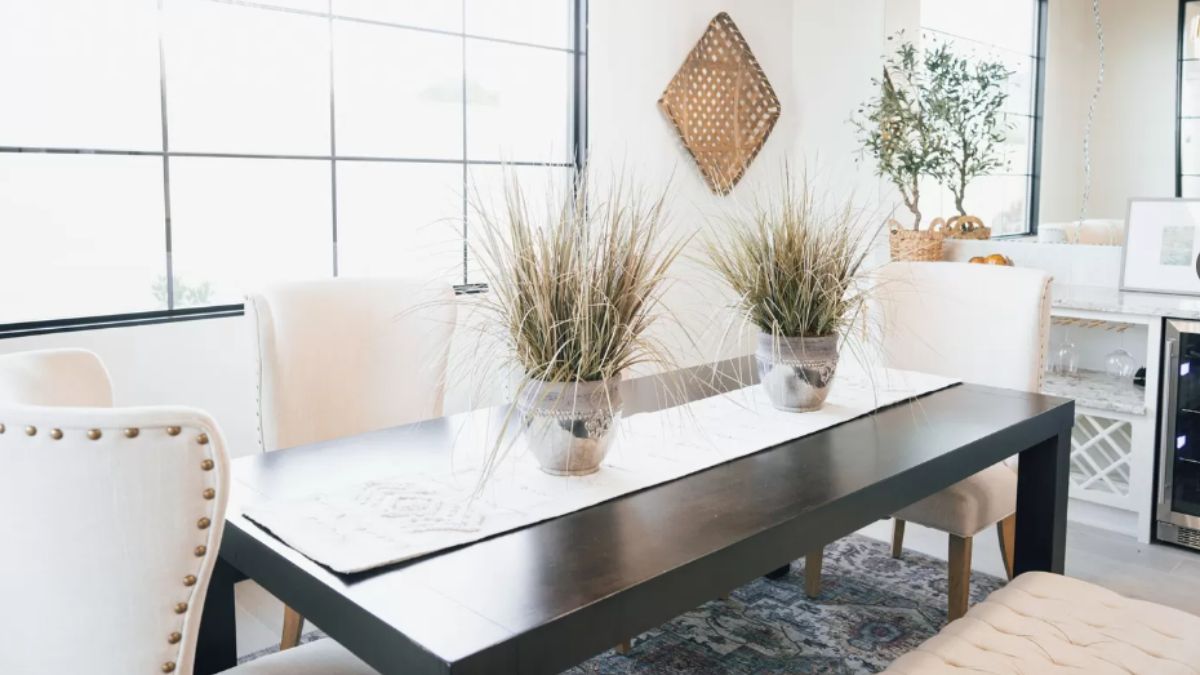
(1101, 452)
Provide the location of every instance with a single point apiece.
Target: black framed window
(1012, 33)
(160, 157)
(1187, 114)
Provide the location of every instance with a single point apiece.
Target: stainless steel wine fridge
(1179, 447)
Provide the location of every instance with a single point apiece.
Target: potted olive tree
(966, 98)
(573, 286)
(897, 129)
(793, 260)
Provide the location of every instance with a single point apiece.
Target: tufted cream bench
(1045, 623)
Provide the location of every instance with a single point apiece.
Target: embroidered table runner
(432, 506)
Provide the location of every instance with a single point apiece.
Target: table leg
(216, 649)
(779, 573)
(1042, 489)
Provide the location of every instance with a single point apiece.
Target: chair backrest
(57, 377)
(340, 357)
(112, 520)
(980, 323)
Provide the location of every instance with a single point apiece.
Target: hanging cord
(1091, 119)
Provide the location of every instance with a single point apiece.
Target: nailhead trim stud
(94, 434)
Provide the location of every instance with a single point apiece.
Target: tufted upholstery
(59, 377)
(980, 323)
(1048, 624)
(341, 357)
(113, 518)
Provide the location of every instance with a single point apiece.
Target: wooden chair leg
(897, 538)
(960, 576)
(293, 625)
(1007, 531)
(812, 573)
(624, 647)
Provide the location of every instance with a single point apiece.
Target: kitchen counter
(1112, 301)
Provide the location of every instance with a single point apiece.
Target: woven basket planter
(967, 227)
(915, 245)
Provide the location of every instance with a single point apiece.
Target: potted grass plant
(573, 287)
(794, 261)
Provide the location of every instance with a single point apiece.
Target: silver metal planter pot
(796, 372)
(569, 425)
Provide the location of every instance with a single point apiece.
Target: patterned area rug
(871, 610)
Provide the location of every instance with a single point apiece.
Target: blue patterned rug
(871, 610)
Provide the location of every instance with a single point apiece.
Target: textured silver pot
(796, 372)
(569, 425)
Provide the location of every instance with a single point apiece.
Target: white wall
(1133, 141)
(635, 48)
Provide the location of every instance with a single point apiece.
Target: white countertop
(1111, 300)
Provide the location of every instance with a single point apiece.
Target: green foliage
(793, 261)
(965, 100)
(896, 128)
(937, 114)
(574, 288)
(186, 295)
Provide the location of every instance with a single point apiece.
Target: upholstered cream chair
(978, 323)
(113, 519)
(56, 377)
(340, 357)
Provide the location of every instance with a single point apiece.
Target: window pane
(80, 73)
(435, 14)
(247, 80)
(1189, 148)
(1003, 23)
(1191, 186)
(1002, 202)
(400, 218)
(1191, 26)
(1017, 144)
(1190, 94)
(544, 190)
(399, 92)
(82, 236)
(519, 103)
(319, 6)
(539, 22)
(238, 224)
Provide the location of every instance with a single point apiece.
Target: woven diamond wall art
(721, 104)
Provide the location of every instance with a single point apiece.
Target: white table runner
(428, 507)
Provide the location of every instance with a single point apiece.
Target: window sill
(31, 328)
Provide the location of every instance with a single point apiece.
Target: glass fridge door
(1185, 483)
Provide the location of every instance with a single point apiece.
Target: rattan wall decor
(721, 104)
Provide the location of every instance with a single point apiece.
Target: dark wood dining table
(549, 596)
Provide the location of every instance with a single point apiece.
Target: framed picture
(1162, 246)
